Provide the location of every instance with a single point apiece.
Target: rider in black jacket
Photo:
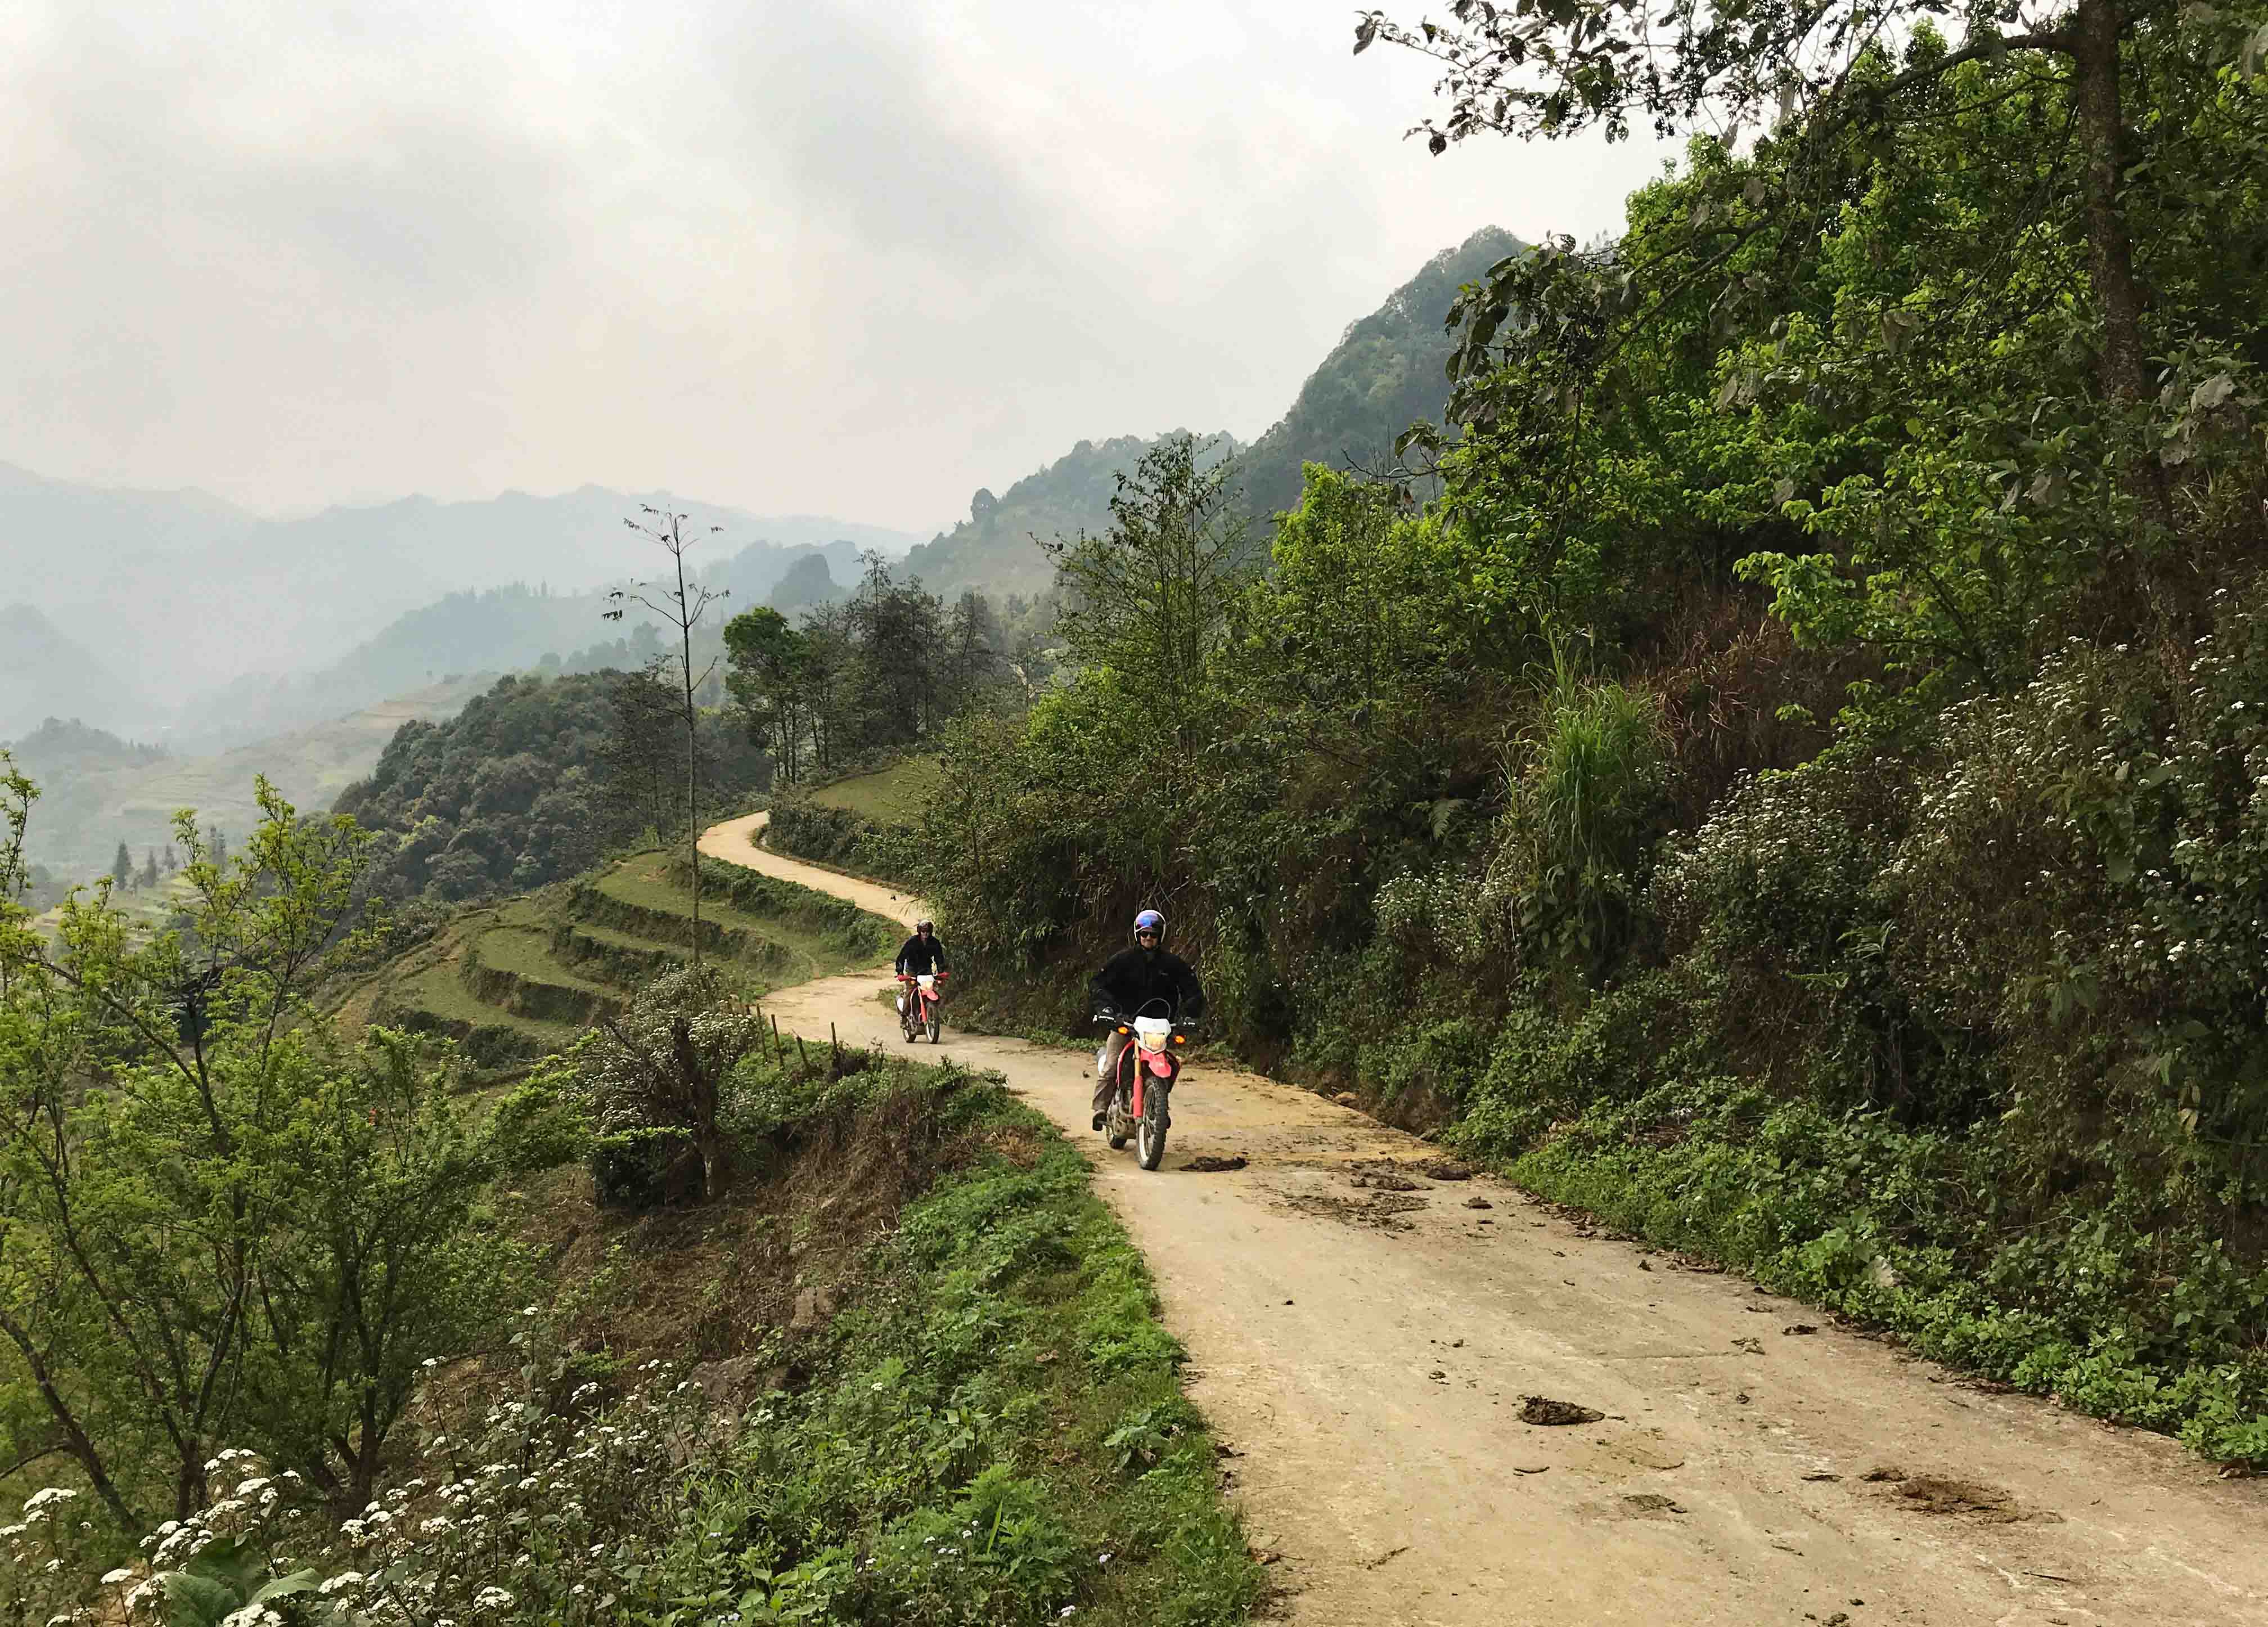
(921, 953)
(1129, 980)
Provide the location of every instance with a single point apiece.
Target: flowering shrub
(50, 1547)
(2006, 1001)
(933, 1464)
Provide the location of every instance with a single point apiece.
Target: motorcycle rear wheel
(1119, 1125)
(1150, 1132)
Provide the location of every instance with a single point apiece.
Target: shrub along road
(1368, 1348)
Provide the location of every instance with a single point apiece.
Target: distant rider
(922, 953)
(1129, 980)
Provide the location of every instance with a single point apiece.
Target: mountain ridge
(1386, 371)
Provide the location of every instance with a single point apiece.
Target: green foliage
(773, 682)
(219, 1220)
(654, 1083)
(835, 837)
(1147, 602)
(947, 1459)
(873, 675)
(540, 1123)
(1585, 796)
(222, 1578)
(1908, 805)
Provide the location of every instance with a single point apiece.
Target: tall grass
(1585, 788)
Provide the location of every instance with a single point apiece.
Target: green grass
(503, 978)
(830, 935)
(894, 796)
(438, 989)
(525, 953)
(996, 1432)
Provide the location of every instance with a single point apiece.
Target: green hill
(534, 780)
(1386, 371)
(517, 979)
(993, 550)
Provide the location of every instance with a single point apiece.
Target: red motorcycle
(1148, 1068)
(920, 1003)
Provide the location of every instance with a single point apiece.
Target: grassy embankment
(516, 980)
(952, 1400)
(862, 824)
(892, 796)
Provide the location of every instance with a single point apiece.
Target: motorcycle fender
(1161, 1067)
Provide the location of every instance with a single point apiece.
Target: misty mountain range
(161, 601)
(175, 617)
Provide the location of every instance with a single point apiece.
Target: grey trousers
(1105, 1078)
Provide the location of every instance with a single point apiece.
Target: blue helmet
(1151, 921)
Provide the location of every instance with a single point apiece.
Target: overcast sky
(854, 257)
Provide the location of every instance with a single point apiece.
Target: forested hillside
(1384, 374)
(1799, 789)
(997, 547)
(535, 780)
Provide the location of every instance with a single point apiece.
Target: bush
(1585, 793)
(838, 837)
(929, 1461)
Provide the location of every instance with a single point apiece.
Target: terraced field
(516, 980)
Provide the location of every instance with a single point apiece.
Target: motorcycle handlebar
(1179, 1022)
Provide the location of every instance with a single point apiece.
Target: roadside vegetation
(513, 982)
(689, 1324)
(1783, 765)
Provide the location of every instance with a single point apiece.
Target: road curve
(1366, 1353)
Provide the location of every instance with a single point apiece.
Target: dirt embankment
(1372, 1331)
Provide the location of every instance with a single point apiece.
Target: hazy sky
(837, 256)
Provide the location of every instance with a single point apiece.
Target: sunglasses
(1145, 932)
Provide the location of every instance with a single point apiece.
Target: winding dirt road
(1366, 1351)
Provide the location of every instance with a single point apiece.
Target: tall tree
(1149, 599)
(681, 605)
(1808, 73)
(218, 1224)
(121, 866)
(639, 758)
(771, 665)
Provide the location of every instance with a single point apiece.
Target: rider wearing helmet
(921, 953)
(1130, 979)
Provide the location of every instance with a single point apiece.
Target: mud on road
(1368, 1337)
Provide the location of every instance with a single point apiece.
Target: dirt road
(1366, 1351)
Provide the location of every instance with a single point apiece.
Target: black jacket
(916, 956)
(1134, 976)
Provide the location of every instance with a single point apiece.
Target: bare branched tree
(681, 605)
